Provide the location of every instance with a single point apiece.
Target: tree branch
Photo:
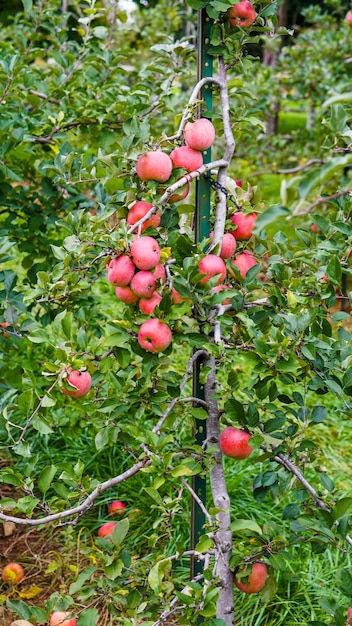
(223, 536)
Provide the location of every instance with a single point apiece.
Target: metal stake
(202, 229)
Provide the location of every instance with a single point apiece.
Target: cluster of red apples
(137, 275)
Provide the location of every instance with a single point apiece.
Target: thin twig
(322, 200)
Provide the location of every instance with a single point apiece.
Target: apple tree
(137, 332)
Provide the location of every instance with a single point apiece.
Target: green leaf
(46, 477)
(342, 507)
(344, 581)
(326, 481)
(89, 617)
(265, 218)
(81, 579)
(334, 271)
(291, 511)
(245, 524)
(204, 544)
(114, 570)
(234, 410)
(157, 573)
(120, 531)
(323, 174)
(319, 414)
(27, 5)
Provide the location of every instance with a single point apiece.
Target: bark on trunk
(270, 58)
(223, 536)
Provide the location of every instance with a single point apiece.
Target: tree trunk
(223, 536)
(270, 58)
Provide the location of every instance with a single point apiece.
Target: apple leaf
(90, 617)
(270, 215)
(46, 477)
(120, 531)
(342, 507)
(157, 573)
(246, 524)
(344, 580)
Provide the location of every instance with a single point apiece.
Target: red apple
(180, 195)
(349, 616)
(218, 288)
(106, 529)
(212, 265)
(244, 261)
(148, 305)
(154, 335)
(186, 157)
(245, 224)
(143, 284)
(12, 573)
(139, 210)
(348, 18)
(242, 14)
(120, 270)
(154, 165)
(256, 578)
(200, 135)
(116, 507)
(159, 272)
(125, 294)
(62, 618)
(80, 382)
(145, 252)
(176, 296)
(228, 245)
(233, 442)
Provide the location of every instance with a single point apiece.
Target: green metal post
(202, 229)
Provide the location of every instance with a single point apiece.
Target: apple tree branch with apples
(125, 302)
